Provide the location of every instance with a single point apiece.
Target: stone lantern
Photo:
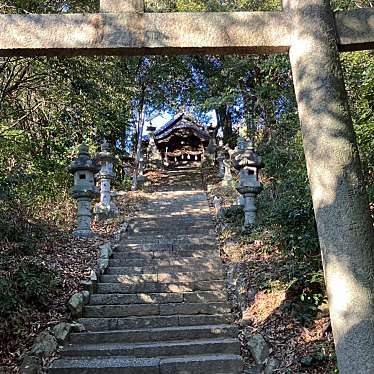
(249, 163)
(154, 156)
(106, 160)
(220, 159)
(84, 190)
(211, 150)
(227, 176)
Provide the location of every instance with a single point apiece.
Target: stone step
(113, 311)
(183, 221)
(173, 233)
(191, 276)
(158, 334)
(156, 287)
(173, 216)
(175, 206)
(108, 324)
(157, 269)
(178, 240)
(180, 225)
(158, 298)
(121, 258)
(198, 364)
(154, 349)
(185, 213)
(167, 246)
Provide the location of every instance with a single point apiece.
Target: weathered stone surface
(339, 197)
(102, 264)
(77, 327)
(201, 364)
(61, 332)
(105, 251)
(44, 345)
(135, 33)
(258, 347)
(237, 281)
(155, 349)
(355, 29)
(271, 365)
(111, 365)
(87, 285)
(157, 334)
(75, 304)
(31, 365)
(158, 304)
(121, 6)
(86, 297)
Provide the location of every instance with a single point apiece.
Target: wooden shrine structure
(182, 139)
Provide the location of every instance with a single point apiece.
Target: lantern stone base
(84, 234)
(249, 193)
(102, 211)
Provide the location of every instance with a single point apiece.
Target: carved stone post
(105, 159)
(221, 166)
(248, 163)
(166, 158)
(154, 155)
(211, 151)
(141, 177)
(340, 201)
(220, 159)
(227, 178)
(84, 190)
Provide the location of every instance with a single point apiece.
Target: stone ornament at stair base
(141, 176)
(227, 178)
(154, 156)
(248, 163)
(106, 160)
(166, 157)
(84, 190)
(220, 159)
(211, 151)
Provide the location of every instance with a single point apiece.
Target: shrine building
(182, 139)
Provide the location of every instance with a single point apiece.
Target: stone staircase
(161, 307)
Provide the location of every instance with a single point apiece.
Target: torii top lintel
(123, 28)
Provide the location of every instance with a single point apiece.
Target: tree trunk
(339, 197)
(224, 121)
(134, 186)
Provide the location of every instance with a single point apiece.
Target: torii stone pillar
(340, 201)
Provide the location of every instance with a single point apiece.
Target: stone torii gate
(313, 36)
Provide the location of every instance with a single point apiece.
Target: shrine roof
(180, 121)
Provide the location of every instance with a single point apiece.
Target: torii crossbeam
(126, 32)
(313, 36)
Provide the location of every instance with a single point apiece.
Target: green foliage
(34, 283)
(234, 215)
(305, 294)
(125, 184)
(359, 71)
(30, 284)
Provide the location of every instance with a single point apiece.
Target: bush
(35, 283)
(30, 284)
(9, 300)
